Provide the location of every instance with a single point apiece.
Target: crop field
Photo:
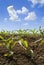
(22, 47)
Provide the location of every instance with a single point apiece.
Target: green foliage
(29, 51)
(20, 31)
(14, 38)
(1, 38)
(9, 43)
(34, 32)
(41, 31)
(42, 42)
(24, 43)
(8, 54)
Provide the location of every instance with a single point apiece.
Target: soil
(20, 56)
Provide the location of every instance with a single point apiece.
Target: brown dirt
(20, 55)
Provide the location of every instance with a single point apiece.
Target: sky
(21, 14)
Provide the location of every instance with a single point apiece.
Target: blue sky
(21, 14)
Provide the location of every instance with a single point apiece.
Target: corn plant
(25, 45)
(34, 32)
(20, 32)
(41, 31)
(9, 44)
(1, 39)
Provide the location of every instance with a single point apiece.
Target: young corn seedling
(24, 44)
(1, 40)
(9, 44)
(29, 51)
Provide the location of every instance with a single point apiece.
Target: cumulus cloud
(35, 2)
(12, 13)
(24, 10)
(31, 16)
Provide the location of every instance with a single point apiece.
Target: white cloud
(24, 10)
(31, 16)
(12, 13)
(35, 2)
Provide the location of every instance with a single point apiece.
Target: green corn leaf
(42, 42)
(9, 39)
(12, 45)
(8, 54)
(1, 38)
(7, 45)
(24, 43)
